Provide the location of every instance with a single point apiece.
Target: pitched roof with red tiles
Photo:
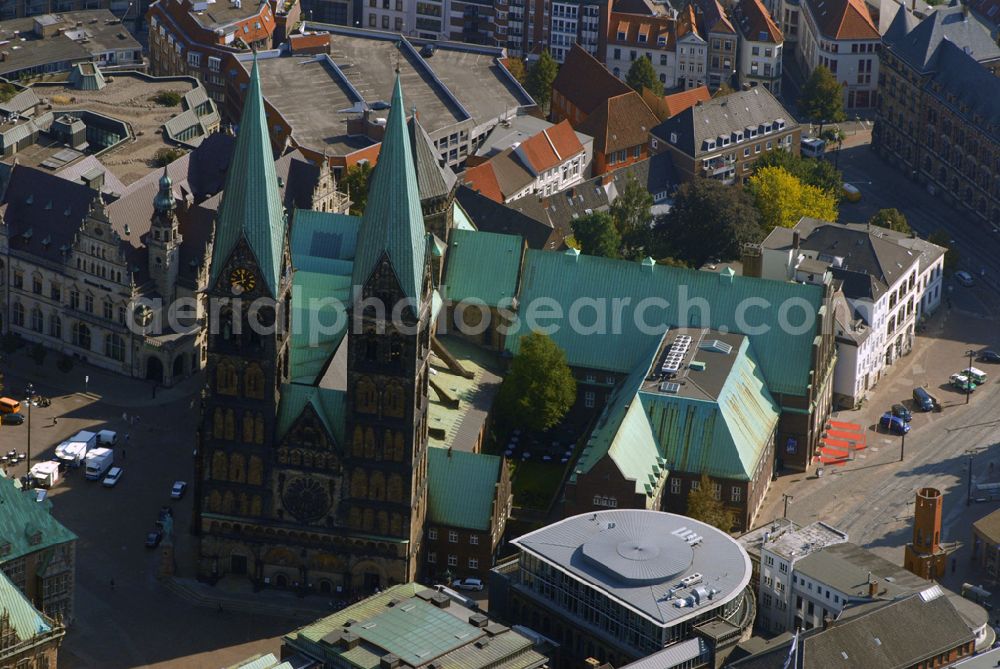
(549, 148)
(678, 102)
(585, 82)
(714, 18)
(483, 180)
(687, 22)
(843, 19)
(641, 31)
(620, 123)
(755, 22)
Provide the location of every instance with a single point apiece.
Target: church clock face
(242, 280)
(306, 499)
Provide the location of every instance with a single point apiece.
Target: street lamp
(969, 353)
(971, 452)
(30, 392)
(902, 446)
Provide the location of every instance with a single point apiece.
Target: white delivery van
(99, 461)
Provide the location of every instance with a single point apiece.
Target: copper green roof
(483, 266)
(461, 487)
(21, 516)
(392, 223)
(23, 618)
(785, 357)
(251, 206)
(328, 405)
(322, 246)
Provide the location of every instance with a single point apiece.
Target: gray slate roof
(433, 179)
(919, 46)
(722, 116)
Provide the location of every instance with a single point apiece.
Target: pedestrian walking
(123, 455)
(55, 420)
(124, 416)
(112, 584)
(127, 437)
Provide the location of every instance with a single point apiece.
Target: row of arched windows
(251, 426)
(227, 380)
(380, 522)
(236, 468)
(307, 458)
(363, 445)
(114, 345)
(368, 398)
(376, 486)
(230, 502)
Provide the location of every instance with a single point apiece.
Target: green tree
(539, 387)
(812, 171)
(942, 238)
(355, 183)
(166, 98)
(642, 75)
(597, 235)
(703, 505)
(708, 220)
(165, 156)
(517, 69)
(822, 98)
(782, 199)
(541, 74)
(631, 211)
(892, 219)
(7, 91)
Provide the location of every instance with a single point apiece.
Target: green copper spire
(251, 205)
(393, 223)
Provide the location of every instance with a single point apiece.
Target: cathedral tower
(387, 360)
(249, 293)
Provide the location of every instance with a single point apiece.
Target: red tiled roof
(585, 82)
(550, 147)
(715, 19)
(622, 122)
(634, 25)
(482, 179)
(843, 19)
(755, 21)
(687, 22)
(678, 102)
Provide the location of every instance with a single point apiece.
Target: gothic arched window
(366, 396)
(219, 466)
(394, 400)
(254, 382)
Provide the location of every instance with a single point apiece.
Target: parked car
(468, 584)
(964, 278)
(12, 419)
(963, 383)
(178, 490)
(900, 411)
(851, 192)
(111, 480)
(988, 356)
(923, 399)
(812, 147)
(894, 424)
(154, 538)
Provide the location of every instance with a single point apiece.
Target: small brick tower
(924, 555)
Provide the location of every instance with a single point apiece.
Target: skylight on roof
(717, 346)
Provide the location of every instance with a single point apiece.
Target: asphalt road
(883, 186)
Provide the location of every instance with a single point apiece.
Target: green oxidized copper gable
(393, 223)
(251, 205)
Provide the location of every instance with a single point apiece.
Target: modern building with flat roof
(333, 102)
(619, 585)
(409, 625)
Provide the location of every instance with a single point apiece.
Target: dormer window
(661, 40)
(673, 138)
(709, 144)
(621, 36)
(767, 128)
(725, 141)
(739, 137)
(780, 123)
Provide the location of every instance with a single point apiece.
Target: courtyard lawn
(535, 483)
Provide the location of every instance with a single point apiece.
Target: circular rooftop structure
(638, 559)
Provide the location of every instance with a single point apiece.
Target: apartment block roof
(501, 177)
(83, 36)
(843, 19)
(755, 22)
(714, 18)
(488, 214)
(619, 123)
(636, 558)
(675, 103)
(648, 32)
(461, 488)
(585, 82)
(549, 148)
(720, 119)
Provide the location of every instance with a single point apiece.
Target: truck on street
(99, 461)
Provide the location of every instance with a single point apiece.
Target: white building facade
(841, 36)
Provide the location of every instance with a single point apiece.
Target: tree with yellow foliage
(783, 199)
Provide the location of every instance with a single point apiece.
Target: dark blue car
(894, 424)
